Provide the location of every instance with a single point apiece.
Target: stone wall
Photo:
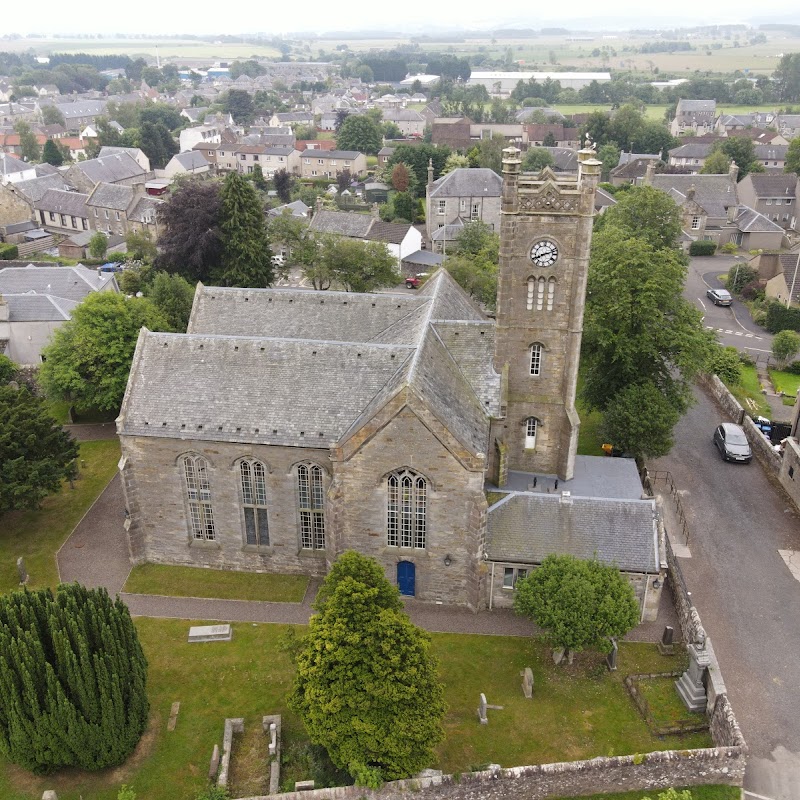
(790, 471)
(719, 391)
(576, 778)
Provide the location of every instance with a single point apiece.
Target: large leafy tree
(28, 144)
(246, 257)
(190, 242)
(536, 159)
(356, 265)
(474, 263)
(579, 604)
(416, 158)
(366, 685)
(52, 153)
(89, 357)
(283, 182)
(157, 143)
(72, 680)
(716, 163)
(173, 296)
(36, 454)
(361, 133)
(793, 156)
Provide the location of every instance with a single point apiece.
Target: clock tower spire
(545, 235)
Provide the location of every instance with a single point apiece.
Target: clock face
(544, 253)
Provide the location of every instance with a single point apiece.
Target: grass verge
(37, 535)
(749, 389)
(786, 382)
(216, 583)
(589, 438)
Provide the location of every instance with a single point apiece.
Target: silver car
(732, 443)
(719, 297)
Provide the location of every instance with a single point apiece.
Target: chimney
(690, 193)
(649, 172)
(374, 212)
(566, 498)
(318, 204)
(733, 172)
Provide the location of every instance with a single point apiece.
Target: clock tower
(545, 235)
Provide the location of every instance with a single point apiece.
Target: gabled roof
(466, 182)
(714, 193)
(34, 189)
(296, 208)
(145, 209)
(696, 105)
(110, 169)
(347, 155)
(788, 262)
(190, 160)
(71, 283)
(749, 220)
(342, 222)
(111, 195)
(82, 108)
(692, 150)
(766, 185)
(61, 202)
(9, 165)
(32, 307)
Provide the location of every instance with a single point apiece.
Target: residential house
(400, 239)
(209, 152)
(62, 211)
(200, 134)
(516, 134)
(12, 113)
(730, 124)
(695, 117)
(17, 199)
(277, 158)
(774, 196)
(291, 119)
(134, 152)
(13, 170)
(36, 301)
(785, 285)
(632, 167)
(76, 245)
(452, 131)
(462, 195)
(297, 209)
(432, 111)
(384, 154)
(114, 208)
(564, 137)
(772, 156)
(565, 159)
(195, 115)
(410, 122)
(331, 163)
(118, 168)
(79, 114)
(788, 125)
(191, 163)
(9, 142)
(690, 157)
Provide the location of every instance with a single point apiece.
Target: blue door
(406, 578)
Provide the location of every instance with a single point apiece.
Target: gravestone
(690, 685)
(173, 716)
(210, 633)
(49, 794)
(304, 786)
(482, 710)
(214, 765)
(558, 655)
(23, 573)
(611, 658)
(666, 646)
(527, 682)
(273, 743)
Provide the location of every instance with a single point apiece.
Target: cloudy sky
(160, 16)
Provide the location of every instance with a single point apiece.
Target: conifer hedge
(72, 679)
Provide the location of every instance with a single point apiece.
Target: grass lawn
(786, 382)
(37, 535)
(589, 438)
(698, 793)
(224, 584)
(577, 712)
(749, 388)
(665, 704)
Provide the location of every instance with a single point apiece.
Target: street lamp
(735, 287)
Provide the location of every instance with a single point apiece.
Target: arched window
(198, 495)
(551, 293)
(311, 506)
(531, 291)
(254, 502)
(531, 427)
(406, 524)
(536, 358)
(540, 294)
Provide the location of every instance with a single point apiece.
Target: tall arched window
(311, 506)
(536, 358)
(551, 293)
(198, 495)
(531, 427)
(531, 291)
(254, 502)
(540, 294)
(406, 523)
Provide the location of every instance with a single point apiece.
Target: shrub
(8, 252)
(725, 363)
(779, 318)
(739, 276)
(702, 248)
(729, 248)
(794, 368)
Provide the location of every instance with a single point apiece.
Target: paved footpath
(96, 554)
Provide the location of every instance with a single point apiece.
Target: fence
(27, 248)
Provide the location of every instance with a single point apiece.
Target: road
(734, 325)
(747, 598)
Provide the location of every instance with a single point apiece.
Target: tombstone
(210, 633)
(273, 743)
(173, 716)
(666, 646)
(49, 794)
(690, 685)
(23, 573)
(213, 767)
(527, 682)
(611, 658)
(304, 786)
(482, 710)
(558, 655)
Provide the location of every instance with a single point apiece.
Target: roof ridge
(252, 338)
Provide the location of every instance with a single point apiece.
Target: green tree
(173, 296)
(246, 257)
(609, 155)
(739, 275)
(283, 182)
(726, 363)
(141, 246)
(785, 346)
(741, 150)
(98, 245)
(157, 143)
(474, 263)
(455, 161)
(89, 357)
(239, 104)
(549, 140)
(361, 133)
(29, 146)
(716, 163)
(536, 159)
(490, 152)
(258, 179)
(356, 265)
(417, 157)
(52, 153)
(787, 77)
(8, 369)
(626, 125)
(793, 156)
(366, 687)
(52, 116)
(190, 243)
(73, 680)
(36, 454)
(580, 604)
(405, 206)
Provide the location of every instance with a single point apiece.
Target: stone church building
(289, 425)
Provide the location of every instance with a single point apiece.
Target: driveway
(747, 598)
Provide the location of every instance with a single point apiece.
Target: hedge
(780, 318)
(702, 248)
(8, 252)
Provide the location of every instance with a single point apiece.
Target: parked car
(732, 443)
(719, 297)
(415, 281)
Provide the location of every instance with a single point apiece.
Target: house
(462, 195)
(291, 119)
(81, 113)
(785, 285)
(13, 170)
(384, 154)
(537, 134)
(195, 115)
(209, 152)
(376, 422)
(452, 131)
(17, 199)
(513, 134)
(200, 134)
(118, 168)
(189, 163)
(565, 159)
(690, 157)
(9, 142)
(774, 196)
(134, 152)
(432, 111)
(36, 301)
(695, 117)
(400, 239)
(297, 209)
(772, 156)
(331, 163)
(120, 209)
(788, 125)
(62, 211)
(76, 245)
(632, 167)
(410, 122)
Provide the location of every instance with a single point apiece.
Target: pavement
(747, 597)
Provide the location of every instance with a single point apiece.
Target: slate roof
(526, 527)
(788, 262)
(71, 283)
(111, 195)
(565, 159)
(692, 150)
(771, 152)
(9, 165)
(715, 193)
(107, 150)
(750, 220)
(346, 155)
(465, 182)
(61, 202)
(346, 224)
(110, 169)
(32, 307)
(82, 108)
(34, 189)
(389, 232)
(424, 258)
(297, 208)
(696, 105)
(191, 160)
(624, 157)
(766, 185)
(145, 209)
(635, 168)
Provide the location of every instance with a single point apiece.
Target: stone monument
(666, 646)
(527, 682)
(690, 685)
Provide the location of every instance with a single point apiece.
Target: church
(289, 425)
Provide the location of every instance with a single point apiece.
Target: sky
(158, 16)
